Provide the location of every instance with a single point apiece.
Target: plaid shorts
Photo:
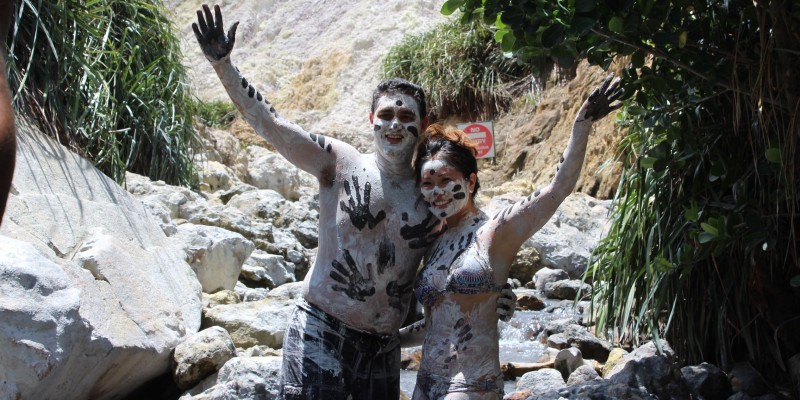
(325, 359)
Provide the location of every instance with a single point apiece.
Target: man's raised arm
(311, 152)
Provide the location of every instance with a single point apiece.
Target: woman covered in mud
(469, 263)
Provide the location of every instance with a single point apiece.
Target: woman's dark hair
(450, 145)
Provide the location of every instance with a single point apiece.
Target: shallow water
(518, 342)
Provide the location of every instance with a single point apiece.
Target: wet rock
(548, 275)
(707, 381)
(657, 372)
(566, 289)
(746, 379)
(574, 335)
(528, 300)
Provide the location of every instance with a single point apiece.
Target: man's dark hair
(399, 85)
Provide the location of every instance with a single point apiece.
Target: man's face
(396, 125)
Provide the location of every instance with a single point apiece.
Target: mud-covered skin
(492, 241)
(364, 266)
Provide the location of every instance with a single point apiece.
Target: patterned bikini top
(469, 273)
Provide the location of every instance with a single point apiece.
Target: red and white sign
(482, 133)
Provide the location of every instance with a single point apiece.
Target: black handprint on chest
(354, 284)
(423, 234)
(359, 212)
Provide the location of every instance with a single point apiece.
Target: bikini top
(469, 273)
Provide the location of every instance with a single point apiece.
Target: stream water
(518, 340)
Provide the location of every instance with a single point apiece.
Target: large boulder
(92, 300)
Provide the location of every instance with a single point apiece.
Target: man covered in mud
(342, 341)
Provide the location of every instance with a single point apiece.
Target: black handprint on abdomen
(355, 285)
(359, 212)
(398, 294)
(458, 339)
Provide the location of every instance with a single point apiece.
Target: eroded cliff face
(318, 62)
(532, 137)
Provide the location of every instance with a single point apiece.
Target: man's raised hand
(598, 105)
(211, 36)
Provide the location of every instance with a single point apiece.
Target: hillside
(321, 75)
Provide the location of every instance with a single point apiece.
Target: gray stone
(541, 381)
(707, 381)
(582, 374)
(91, 299)
(201, 355)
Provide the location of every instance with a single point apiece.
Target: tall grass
(704, 249)
(105, 78)
(462, 69)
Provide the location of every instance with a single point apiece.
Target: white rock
(243, 378)
(257, 322)
(215, 254)
(201, 355)
(94, 302)
(268, 270)
(269, 170)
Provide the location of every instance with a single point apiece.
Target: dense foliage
(462, 70)
(704, 248)
(105, 78)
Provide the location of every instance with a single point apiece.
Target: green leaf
(709, 228)
(682, 39)
(615, 24)
(773, 154)
(553, 35)
(581, 25)
(661, 264)
(583, 6)
(795, 281)
(691, 214)
(508, 41)
(450, 6)
(647, 162)
(706, 237)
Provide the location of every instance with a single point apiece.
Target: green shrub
(105, 78)
(463, 71)
(217, 113)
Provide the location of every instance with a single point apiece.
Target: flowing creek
(519, 339)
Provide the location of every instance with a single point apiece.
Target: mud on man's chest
(369, 203)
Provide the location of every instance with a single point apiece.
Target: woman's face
(444, 188)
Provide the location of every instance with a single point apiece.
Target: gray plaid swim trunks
(325, 359)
